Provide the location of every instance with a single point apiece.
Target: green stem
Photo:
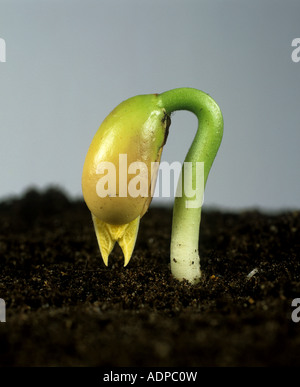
(185, 260)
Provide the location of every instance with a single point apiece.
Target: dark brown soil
(65, 308)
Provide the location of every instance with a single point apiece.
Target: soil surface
(65, 308)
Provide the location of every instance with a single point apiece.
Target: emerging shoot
(130, 142)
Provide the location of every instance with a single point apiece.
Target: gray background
(69, 63)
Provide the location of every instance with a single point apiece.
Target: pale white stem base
(185, 259)
(185, 264)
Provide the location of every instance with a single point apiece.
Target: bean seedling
(130, 140)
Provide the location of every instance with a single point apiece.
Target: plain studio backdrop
(69, 63)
